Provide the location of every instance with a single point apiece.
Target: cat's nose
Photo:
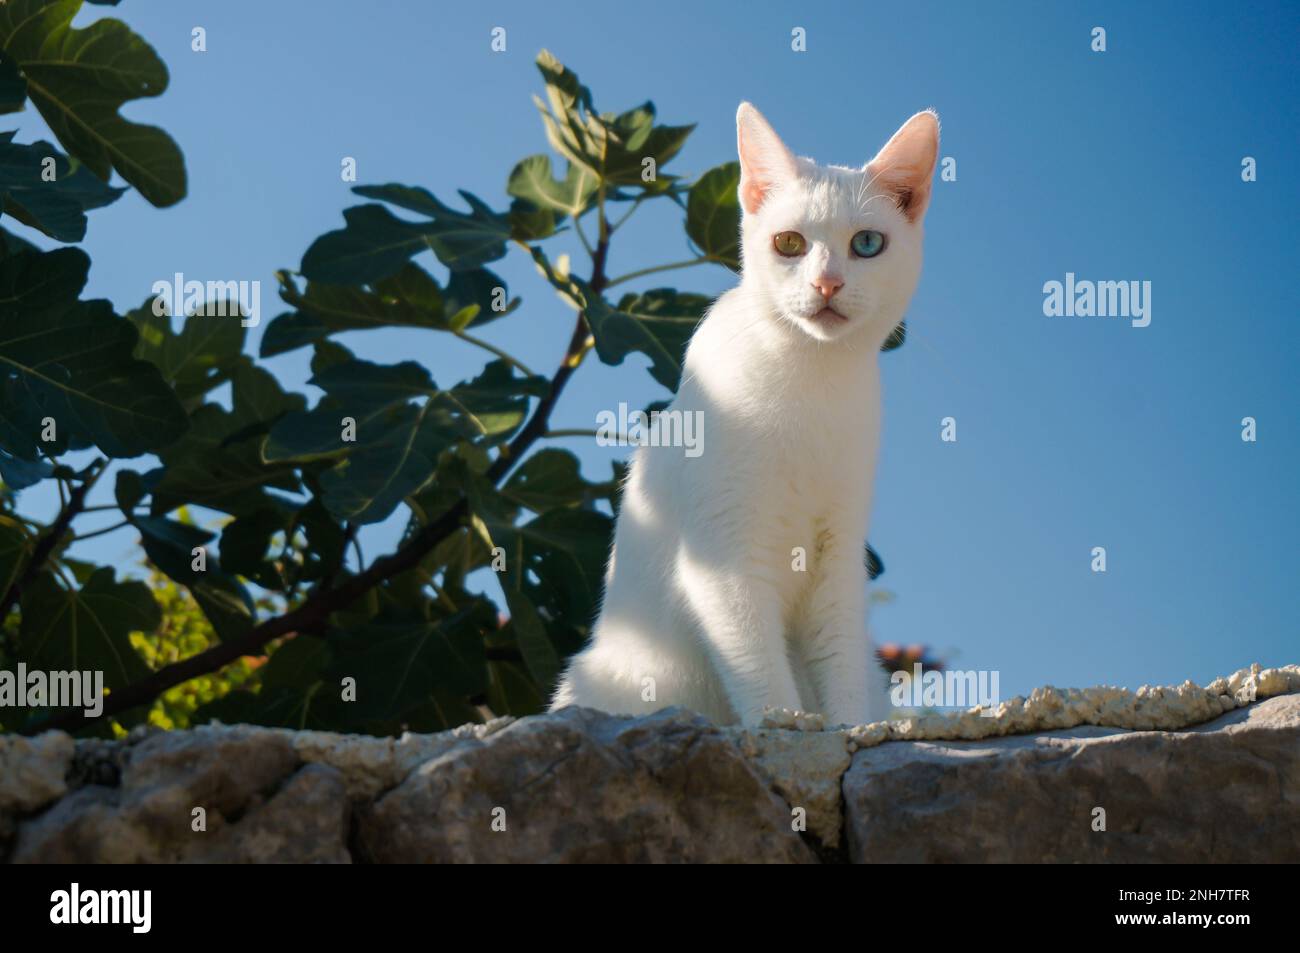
(827, 285)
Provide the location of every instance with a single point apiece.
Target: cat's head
(834, 251)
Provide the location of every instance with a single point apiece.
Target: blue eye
(868, 243)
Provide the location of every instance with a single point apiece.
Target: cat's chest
(821, 448)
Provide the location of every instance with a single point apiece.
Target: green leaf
(73, 361)
(298, 663)
(326, 541)
(13, 88)
(16, 546)
(528, 223)
(327, 354)
(896, 337)
(713, 214)
(533, 181)
(625, 164)
(128, 490)
(19, 474)
(205, 469)
(371, 246)
(87, 629)
(410, 298)
(396, 443)
(460, 320)
(612, 147)
(548, 479)
(530, 634)
(564, 548)
(244, 544)
(657, 323)
(11, 244)
(375, 244)
(398, 663)
(567, 550)
(257, 399)
(198, 359)
(170, 546)
(369, 485)
(523, 548)
(460, 241)
(875, 567)
(291, 693)
(564, 112)
(481, 287)
(79, 78)
(218, 463)
(402, 422)
(497, 399)
(54, 206)
(511, 690)
(226, 603)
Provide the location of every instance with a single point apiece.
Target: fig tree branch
(50, 539)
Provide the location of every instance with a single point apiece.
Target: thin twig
(49, 542)
(101, 532)
(579, 432)
(636, 204)
(582, 237)
(493, 349)
(641, 273)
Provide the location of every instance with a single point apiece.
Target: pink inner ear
(752, 192)
(905, 166)
(910, 188)
(764, 159)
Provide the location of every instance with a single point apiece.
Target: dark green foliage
(78, 79)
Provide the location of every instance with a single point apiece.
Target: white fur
(703, 607)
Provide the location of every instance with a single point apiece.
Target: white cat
(709, 604)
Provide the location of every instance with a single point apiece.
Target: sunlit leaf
(713, 214)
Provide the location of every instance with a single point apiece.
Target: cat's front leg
(739, 617)
(840, 659)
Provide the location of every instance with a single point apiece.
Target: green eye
(789, 244)
(868, 243)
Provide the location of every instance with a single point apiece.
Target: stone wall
(1216, 777)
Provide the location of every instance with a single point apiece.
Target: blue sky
(1072, 432)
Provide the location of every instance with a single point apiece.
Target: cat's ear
(905, 167)
(765, 162)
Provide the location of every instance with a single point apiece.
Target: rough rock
(32, 774)
(805, 768)
(304, 822)
(1151, 706)
(582, 786)
(1225, 792)
(1183, 773)
(242, 778)
(370, 765)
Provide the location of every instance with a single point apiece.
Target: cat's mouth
(828, 315)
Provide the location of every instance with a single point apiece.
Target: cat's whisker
(876, 198)
(868, 183)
